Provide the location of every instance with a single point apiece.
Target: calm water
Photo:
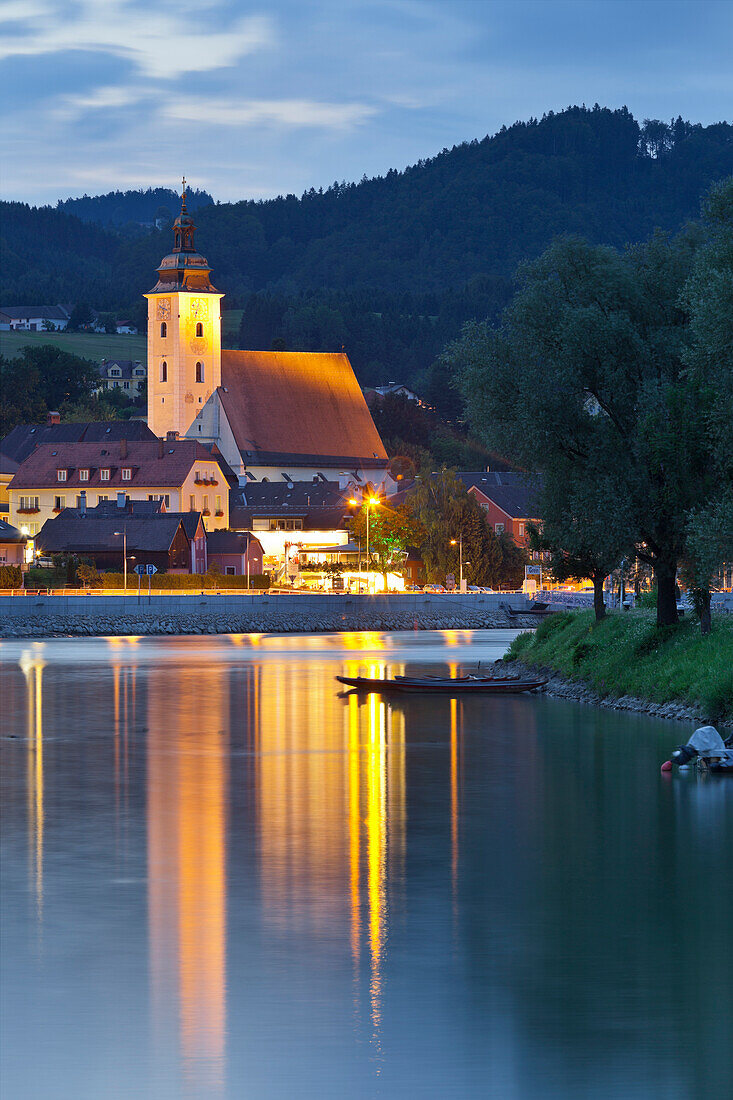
(222, 879)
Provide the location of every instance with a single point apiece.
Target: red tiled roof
(39, 471)
(289, 404)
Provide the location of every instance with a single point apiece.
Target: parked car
(432, 589)
(413, 588)
(473, 588)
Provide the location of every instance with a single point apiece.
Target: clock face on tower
(164, 309)
(199, 308)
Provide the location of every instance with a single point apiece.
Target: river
(223, 878)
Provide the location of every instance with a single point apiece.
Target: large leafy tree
(41, 379)
(391, 532)
(587, 372)
(708, 295)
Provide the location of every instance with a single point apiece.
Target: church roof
(298, 407)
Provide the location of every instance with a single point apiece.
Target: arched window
(199, 372)
(199, 329)
(164, 371)
(163, 328)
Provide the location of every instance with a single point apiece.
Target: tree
(709, 543)
(586, 372)
(81, 315)
(450, 520)
(391, 532)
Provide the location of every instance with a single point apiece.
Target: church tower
(184, 334)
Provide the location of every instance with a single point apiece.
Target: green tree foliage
(391, 532)
(445, 513)
(42, 379)
(587, 373)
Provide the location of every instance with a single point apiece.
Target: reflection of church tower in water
(184, 334)
(187, 783)
(331, 814)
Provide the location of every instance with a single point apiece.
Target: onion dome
(184, 268)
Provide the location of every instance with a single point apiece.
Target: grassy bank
(89, 345)
(627, 654)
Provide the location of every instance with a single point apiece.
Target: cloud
(279, 112)
(161, 42)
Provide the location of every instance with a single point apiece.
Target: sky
(251, 99)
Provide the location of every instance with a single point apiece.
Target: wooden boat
(537, 609)
(443, 684)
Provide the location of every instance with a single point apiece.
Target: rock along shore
(559, 687)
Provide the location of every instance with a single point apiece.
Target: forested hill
(391, 266)
(127, 209)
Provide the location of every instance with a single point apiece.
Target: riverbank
(236, 613)
(625, 662)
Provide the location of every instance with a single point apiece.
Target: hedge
(189, 581)
(11, 576)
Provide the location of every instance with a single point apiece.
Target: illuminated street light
(453, 542)
(123, 532)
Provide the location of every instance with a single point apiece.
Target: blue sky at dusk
(254, 99)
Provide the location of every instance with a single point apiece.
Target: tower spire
(183, 196)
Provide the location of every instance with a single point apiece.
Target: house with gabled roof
(510, 499)
(181, 472)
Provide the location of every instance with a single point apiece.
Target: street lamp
(453, 542)
(123, 532)
(371, 502)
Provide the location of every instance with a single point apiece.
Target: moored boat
(444, 685)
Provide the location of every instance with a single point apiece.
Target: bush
(648, 600)
(185, 581)
(11, 576)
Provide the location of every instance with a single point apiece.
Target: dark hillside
(390, 267)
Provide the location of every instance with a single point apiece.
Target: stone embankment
(58, 616)
(561, 688)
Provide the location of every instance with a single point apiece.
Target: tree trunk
(706, 622)
(666, 573)
(598, 605)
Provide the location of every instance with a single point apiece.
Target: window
(164, 371)
(192, 503)
(260, 523)
(103, 496)
(83, 475)
(163, 329)
(126, 473)
(218, 505)
(115, 373)
(33, 528)
(229, 570)
(521, 530)
(206, 503)
(61, 475)
(199, 329)
(199, 372)
(126, 385)
(104, 474)
(78, 501)
(59, 503)
(498, 527)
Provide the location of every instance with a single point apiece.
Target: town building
(157, 538)
(182, 473)
(12, 546)
(33, 318)
(127, 375)
(272, 415)
(235, 554)
(509, 498)
(287, 517)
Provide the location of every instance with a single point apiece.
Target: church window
(199, 329)
(199, 372)
(163, 329)
(164, 371)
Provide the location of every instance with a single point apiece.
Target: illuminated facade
(184, 334)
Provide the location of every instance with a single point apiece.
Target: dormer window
(163, 329)
(61, 475)
(126, 473)
(199, 329)
(104, 473)
(115, 372)
(83, 475)
(199, 372)
(164, 371)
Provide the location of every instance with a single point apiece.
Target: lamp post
(371, 502)
(453, 542)
(123, 532)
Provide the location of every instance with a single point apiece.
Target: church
(274, 416)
